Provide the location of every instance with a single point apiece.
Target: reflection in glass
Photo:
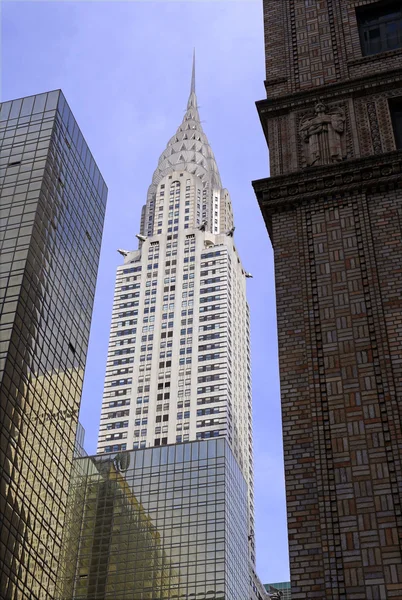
(128, 539)
(44, 334)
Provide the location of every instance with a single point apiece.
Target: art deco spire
(192, 101)
(193, 75)
(189, 148)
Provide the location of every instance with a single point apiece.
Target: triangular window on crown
(181, 158)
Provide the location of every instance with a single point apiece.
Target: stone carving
(322, 134)
(374, 127)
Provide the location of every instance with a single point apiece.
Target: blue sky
(125, 69)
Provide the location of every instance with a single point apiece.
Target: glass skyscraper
(178, 366)
(52, 210)
(165, 522)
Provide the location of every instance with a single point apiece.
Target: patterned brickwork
(311, 43)
(336, 230)
(320, 58)
(339, 380)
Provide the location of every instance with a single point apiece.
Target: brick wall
(311, 43)
(336, 230)
(341, 377)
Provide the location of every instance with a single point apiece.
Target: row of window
(212, 254)
(130, 286)
(204, 435)
(132, 270)
(213, 377)
(116, 448)
(209, 422)
(211, 388)
(117, 425)
(115, 436)
(116, 414)
(115, 403)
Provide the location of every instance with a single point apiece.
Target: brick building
(333, 210)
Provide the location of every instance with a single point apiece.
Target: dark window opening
(395, 107)
(380, 26)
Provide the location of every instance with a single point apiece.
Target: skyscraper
(333, 209)
(52, 209)
(178, 366)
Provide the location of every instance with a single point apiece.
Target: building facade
(165, 522)
(178, 366)
(52, 209)
(333, 208)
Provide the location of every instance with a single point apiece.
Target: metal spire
(192, 99)
(192, 90)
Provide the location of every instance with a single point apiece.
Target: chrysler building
(178, 365)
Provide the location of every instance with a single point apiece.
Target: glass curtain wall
(159, 523)
(53, 202)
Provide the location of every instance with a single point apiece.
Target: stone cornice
(372, 58)
(335, 91)
(369, 174)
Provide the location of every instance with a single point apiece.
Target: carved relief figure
(321, 134)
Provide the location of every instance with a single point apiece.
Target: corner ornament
(322, 134)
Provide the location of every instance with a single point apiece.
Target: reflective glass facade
(160, 523)
(280, 590)
(52, 210)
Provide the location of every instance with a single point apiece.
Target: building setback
(178, 366)
(52, 209)
(333, 209)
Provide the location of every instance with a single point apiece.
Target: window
(395, 106)
(380, 26)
